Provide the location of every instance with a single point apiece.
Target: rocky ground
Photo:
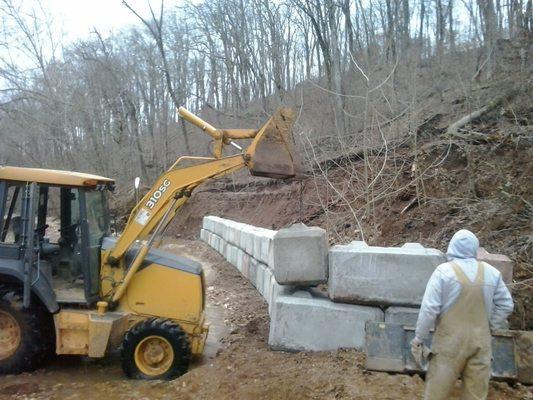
(238, 363)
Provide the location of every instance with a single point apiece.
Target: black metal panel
(3, 200)
(91, 287)
(388, 348)
(10, 251)
(42, 286)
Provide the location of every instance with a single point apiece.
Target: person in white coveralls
(464, 299)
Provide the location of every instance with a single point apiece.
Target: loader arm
(269, 154)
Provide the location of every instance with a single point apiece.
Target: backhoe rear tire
(155, 349)
(26, 335)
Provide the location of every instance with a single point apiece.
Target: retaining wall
(365, 283)
(278, 263)
(247, 248)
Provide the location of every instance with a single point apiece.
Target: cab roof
(52, 177)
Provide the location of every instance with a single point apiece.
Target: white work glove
(419, 351)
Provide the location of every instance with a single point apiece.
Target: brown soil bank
(482, 186)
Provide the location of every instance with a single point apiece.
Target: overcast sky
(78, 18)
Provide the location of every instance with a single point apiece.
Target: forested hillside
(414, 116)
(352, 68)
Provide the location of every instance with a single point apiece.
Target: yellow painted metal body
(163, 292)
(154, 355)
(85, 332)
(51, 176)
(169, 293)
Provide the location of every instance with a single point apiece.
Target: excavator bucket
(271, 153)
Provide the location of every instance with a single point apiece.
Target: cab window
(11, 223)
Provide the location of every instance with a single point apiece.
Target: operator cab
(67, 211)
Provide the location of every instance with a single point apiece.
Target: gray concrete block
(409, 245)
(248, 239)
(262, 242)
(381, 275)
(240, 259)
(245, 271)
(499, 261)
(213, 224)
(402, 315)
(267, 284)
(304, 294)
(217, 243)
(300, 255)
(231, 254)
(260, 278)
(318, 324)
(252, 272)
(277, 290)
(207, 223)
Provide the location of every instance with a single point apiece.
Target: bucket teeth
(272, 152)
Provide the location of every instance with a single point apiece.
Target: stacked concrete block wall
(365, 283)
(300, 255)
(300, 321)
(277, 263)
(248, 249)
(382, 276)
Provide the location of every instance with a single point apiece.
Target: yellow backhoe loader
(86, 292)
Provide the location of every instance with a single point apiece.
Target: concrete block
(227, 252)
(261, 268)
(219, 244)
(246, 238)
(300, 255)
(240, 259)
(266, 283)
(246, 266)
(318, 324)
(252, 272)
(402, 315)
(381, 275)
(357, 244)
(499, 261)
(216, 228)
(304, 294)
(249, 240)
(277, 290)
(213, 224)
(232, 254)
(207, 223)
(413, 246)
(262, 242)
(213, 240)
(230, 231)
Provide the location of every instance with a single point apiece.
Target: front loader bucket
(271, 153)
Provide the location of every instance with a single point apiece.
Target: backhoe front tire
(155, 349)
(26, 337)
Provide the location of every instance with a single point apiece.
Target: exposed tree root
(453, 129)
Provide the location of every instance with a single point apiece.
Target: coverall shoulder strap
(480, 276)
(461, 277)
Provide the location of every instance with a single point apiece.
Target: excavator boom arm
(270, 154)
(177, 183)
